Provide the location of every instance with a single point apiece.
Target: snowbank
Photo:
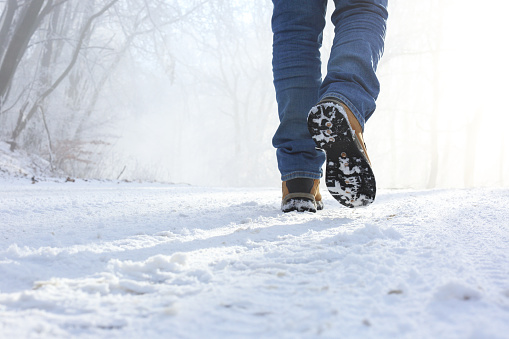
(19, 164)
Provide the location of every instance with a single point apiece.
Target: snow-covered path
(107, 260)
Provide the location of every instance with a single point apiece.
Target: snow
(108, 260)
(21, 164)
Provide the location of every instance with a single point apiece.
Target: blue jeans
(357, 47)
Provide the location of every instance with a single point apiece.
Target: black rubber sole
(349, 177)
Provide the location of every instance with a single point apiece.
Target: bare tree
(57, 57)
(23, 118)
(17, 31)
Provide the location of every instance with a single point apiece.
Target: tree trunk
(6, 24)
(22, 122)
(25, 28)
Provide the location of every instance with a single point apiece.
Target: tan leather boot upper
(355, 125)
(315, 190)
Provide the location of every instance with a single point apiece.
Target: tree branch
(22, 122)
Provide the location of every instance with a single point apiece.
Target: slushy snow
(130, 260)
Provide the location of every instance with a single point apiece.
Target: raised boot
(349, 177)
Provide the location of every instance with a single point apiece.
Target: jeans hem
(301, 174)
(348, 104)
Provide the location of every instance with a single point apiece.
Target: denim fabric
(357, 47)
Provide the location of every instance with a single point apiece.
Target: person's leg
(348, 96)
(357, 48)
(297, 26)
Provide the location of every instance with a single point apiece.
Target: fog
(181, 91)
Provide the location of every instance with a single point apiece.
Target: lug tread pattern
(349, 177)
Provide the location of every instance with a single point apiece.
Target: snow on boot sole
(349, 176)
(300, 202)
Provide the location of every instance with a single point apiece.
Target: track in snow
(132, 260)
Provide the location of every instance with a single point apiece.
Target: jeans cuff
(301, 174)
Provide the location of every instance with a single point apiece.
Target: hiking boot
(348, 176)
(301, 194)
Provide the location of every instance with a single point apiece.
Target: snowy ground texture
(109, 260)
